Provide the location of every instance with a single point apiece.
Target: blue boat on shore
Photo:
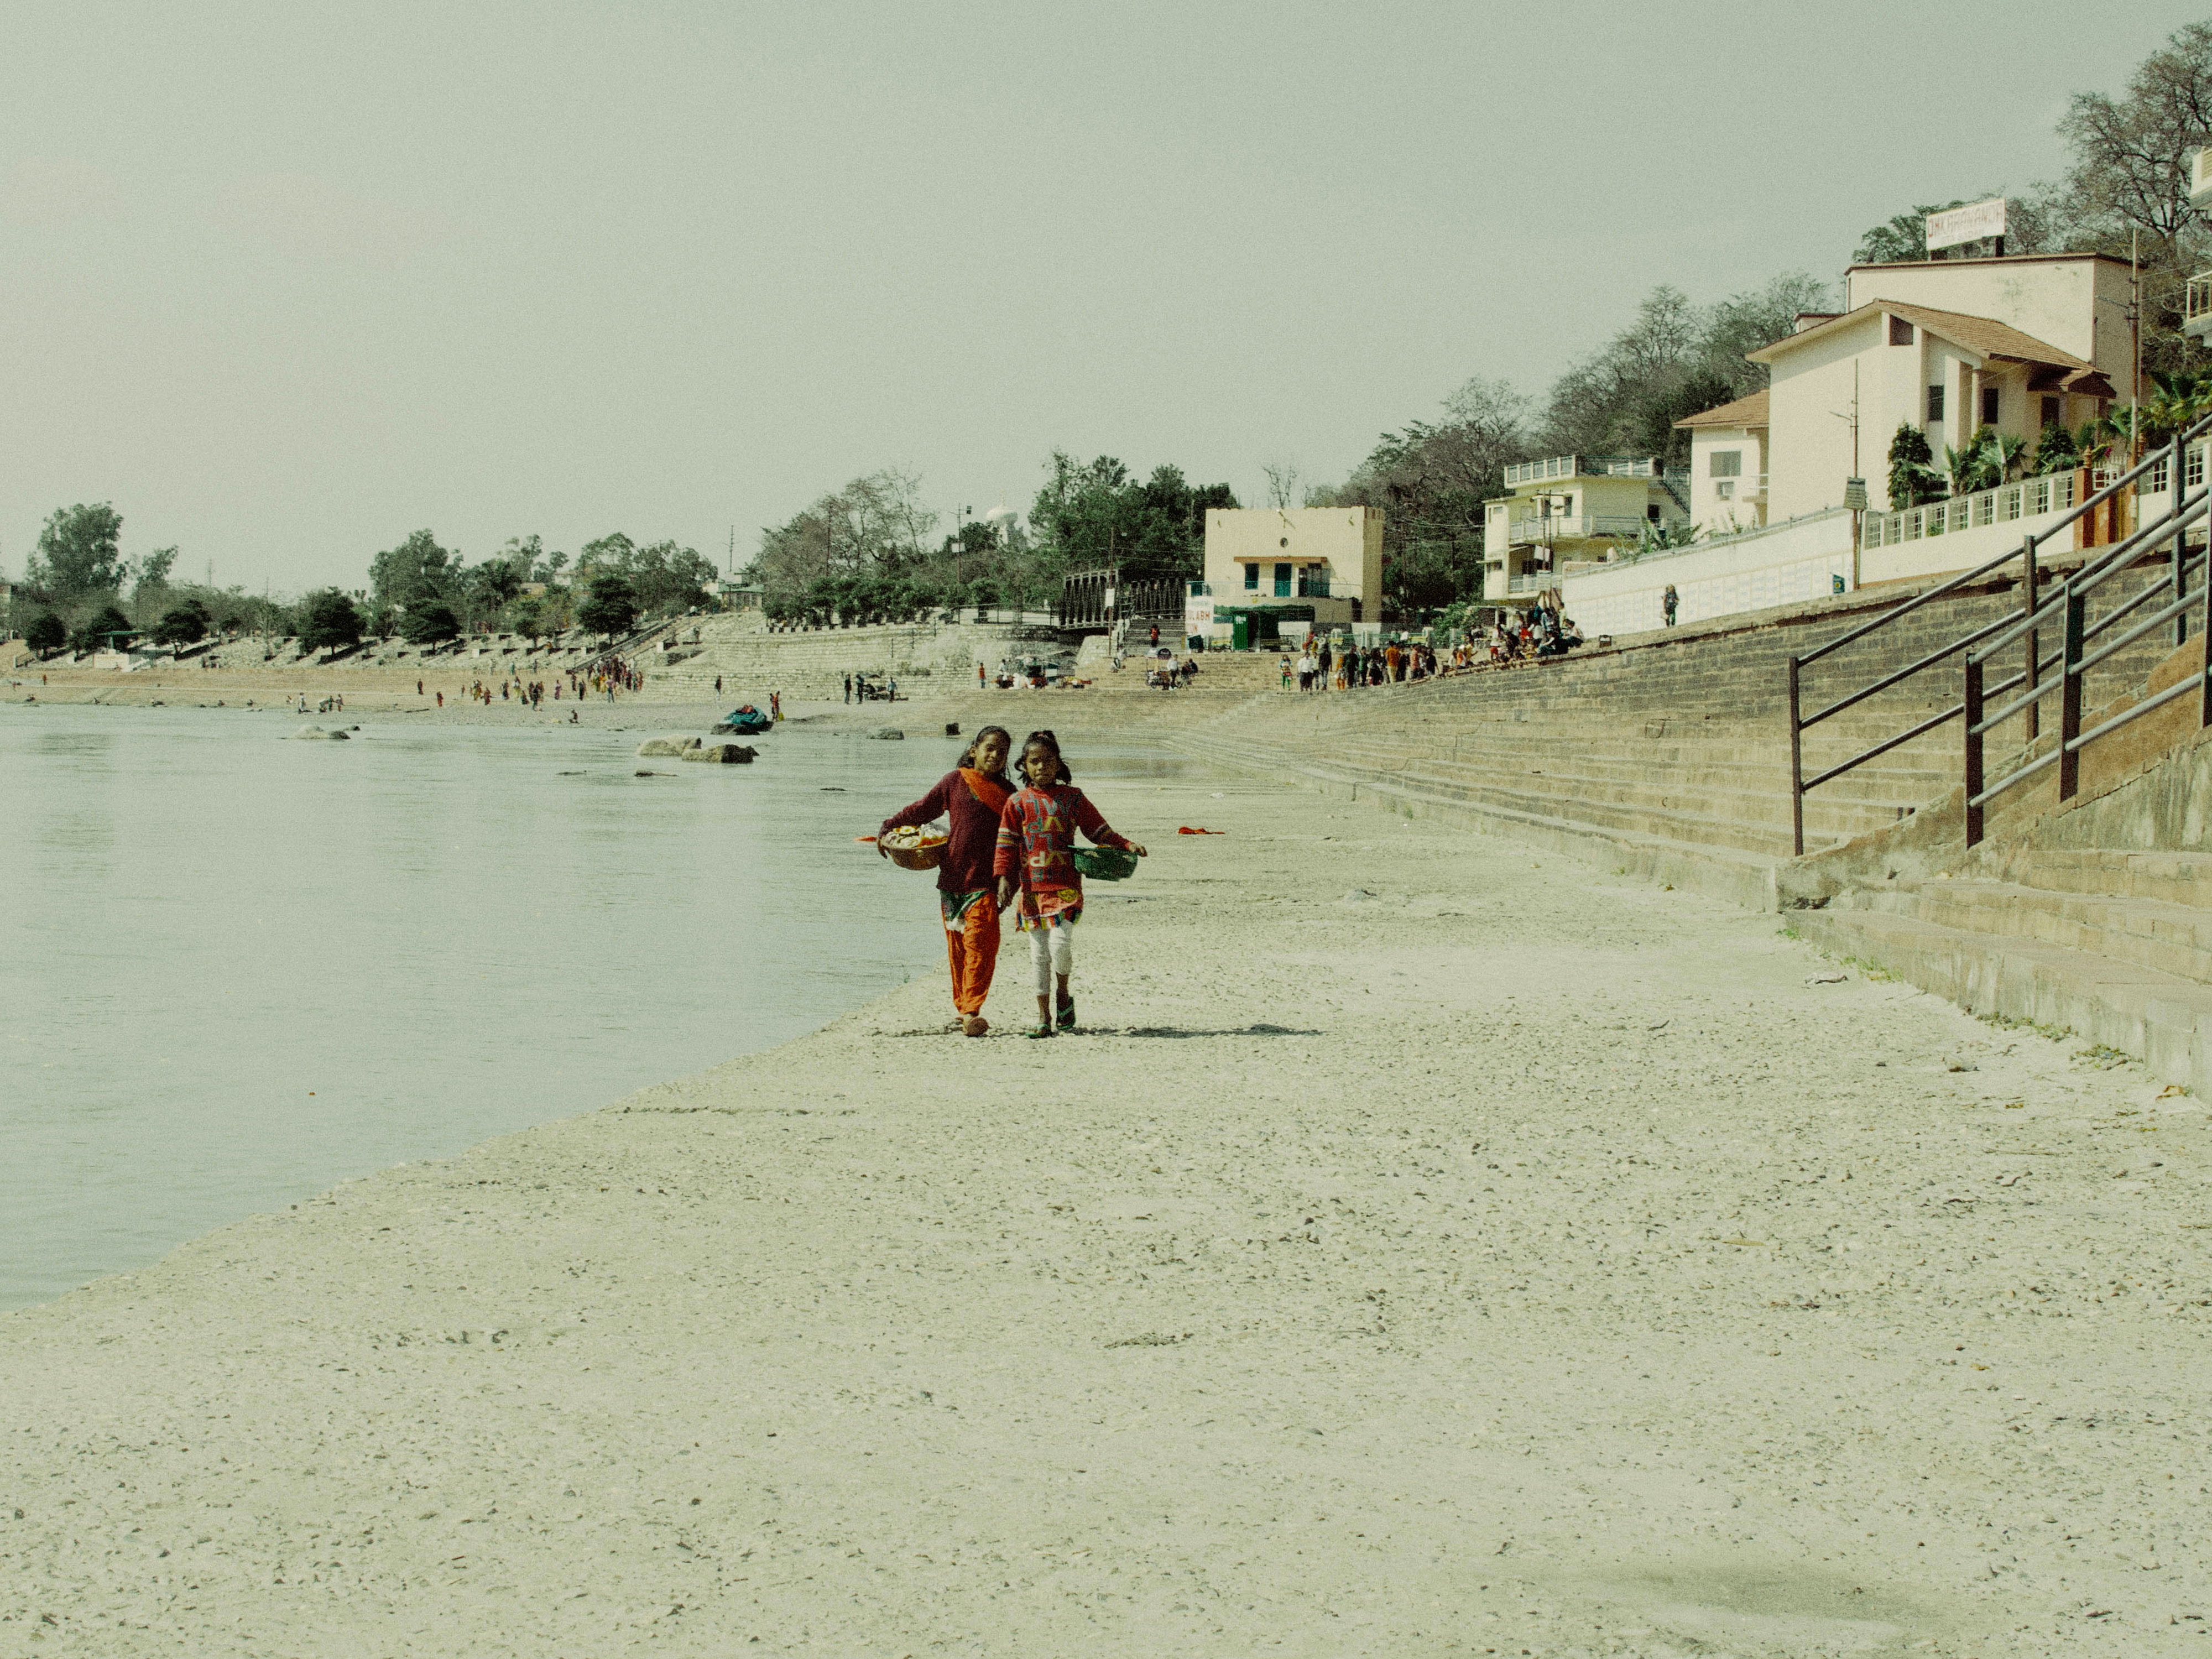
(746, 720)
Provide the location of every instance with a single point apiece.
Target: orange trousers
(971, 945)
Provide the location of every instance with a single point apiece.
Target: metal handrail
(2122, 553)
(2075, 661)
(2070, 601)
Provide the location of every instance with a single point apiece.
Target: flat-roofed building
(1572, 509)
(1329, 557)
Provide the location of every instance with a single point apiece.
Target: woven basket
(1105, 863)
(926, 855)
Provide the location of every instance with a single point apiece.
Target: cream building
(1329, 557)
(1896, 356)
(1728, 467)
(1571, 509)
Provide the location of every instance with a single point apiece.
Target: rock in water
(891, 732)
(721, 754)
(316, 734)
(672, 745)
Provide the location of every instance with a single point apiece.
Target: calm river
(236, 969)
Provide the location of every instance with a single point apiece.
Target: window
(1282, 581)
(1990, 403)
(1934, 405)
(1727, 463)
(2051, 407)
(1652, 512)
(1900, 332)
(1251, 578)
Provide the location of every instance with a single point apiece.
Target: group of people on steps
(1012, 847)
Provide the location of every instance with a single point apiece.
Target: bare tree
(1284, 480)
(2132, 155)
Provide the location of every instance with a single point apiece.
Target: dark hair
(1047, 740)
(968, 754)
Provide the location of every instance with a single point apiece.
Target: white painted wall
(1726, 507)
(2054, 299)
(1776, 566)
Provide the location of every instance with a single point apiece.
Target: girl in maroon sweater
(970, 798)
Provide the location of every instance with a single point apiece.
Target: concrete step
(2174, 938)
(1689, 827)
(2160, 1017)
(2180, 878)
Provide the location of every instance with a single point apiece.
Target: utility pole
(2135, 327)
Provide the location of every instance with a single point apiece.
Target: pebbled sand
(1513, 1261)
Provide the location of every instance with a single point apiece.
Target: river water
(236, 969)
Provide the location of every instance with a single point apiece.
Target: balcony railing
(2197, 304)
(2200, 178)
(2054, 492)
(1537, 530)
(1588, 466)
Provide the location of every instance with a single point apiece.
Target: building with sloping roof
(1728, 467)
(1841, 387)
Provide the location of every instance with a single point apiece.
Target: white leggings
(1052, 951)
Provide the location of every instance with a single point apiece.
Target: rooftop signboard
(1971, 224)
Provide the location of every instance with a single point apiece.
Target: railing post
(1796, 770)
(2032, 717)
(2204, 627)
(1974, 749)
(2069, 698)
(2180, 571)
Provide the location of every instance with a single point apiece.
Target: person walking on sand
(970, 797)
(1035, 858)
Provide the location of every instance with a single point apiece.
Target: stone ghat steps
(2182, 879)
(2124, 1005)
(1599, 766)
(1704, 818)
(1707, 755)
(2173, 938)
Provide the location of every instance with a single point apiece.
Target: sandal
(1043, 1029)
(1068, 1015)
(975, 1025)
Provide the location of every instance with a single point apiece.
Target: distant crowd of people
(1542, 630)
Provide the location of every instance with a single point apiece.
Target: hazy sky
(287, 281)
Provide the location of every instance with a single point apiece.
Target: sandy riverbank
(1430, 1249)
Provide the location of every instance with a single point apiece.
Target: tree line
(79, 590)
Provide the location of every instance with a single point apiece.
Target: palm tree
(2002, 456)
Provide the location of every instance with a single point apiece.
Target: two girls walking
(1011, 847)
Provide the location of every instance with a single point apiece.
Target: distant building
(1572, 509)
(2011, 345)
(2198, 308)
(1329, 557)
(736, 595)
(1950, 346)
(1728, 467)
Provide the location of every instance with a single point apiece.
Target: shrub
(96, 632)
(610, 608)
(182, 625)
(45, 633)
(428, 622)
(328, 619)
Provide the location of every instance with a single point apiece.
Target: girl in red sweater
(970, 797)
